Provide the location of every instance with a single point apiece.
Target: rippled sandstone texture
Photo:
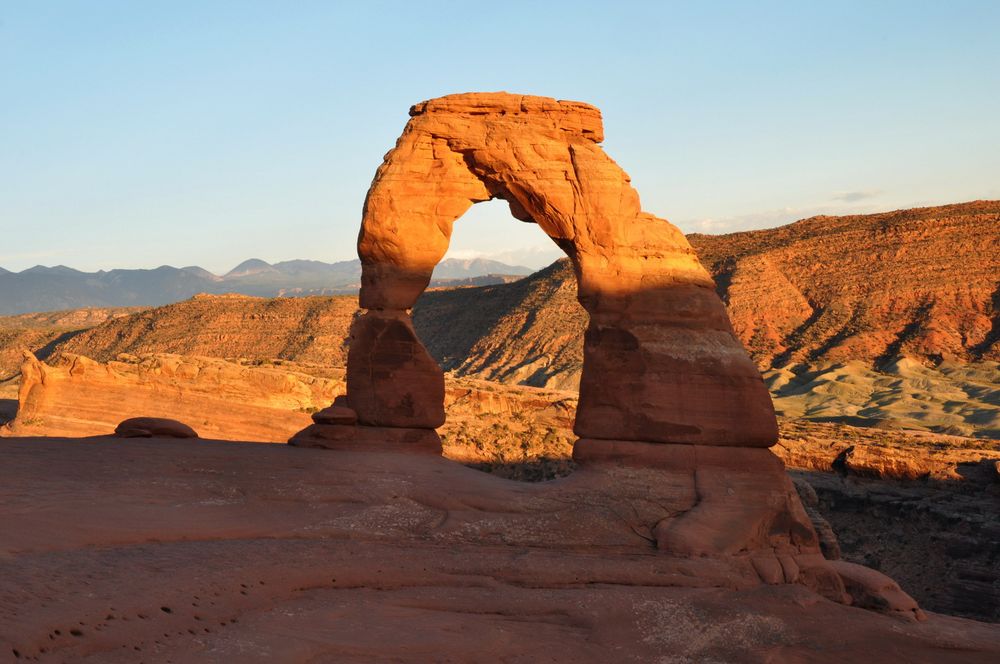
(661, 363)
(164, 550)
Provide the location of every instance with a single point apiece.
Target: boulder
(154, 427)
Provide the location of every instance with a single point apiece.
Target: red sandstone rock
(350, 437)
(740, 500)
(154, 427)
(76, 396)
(298, 555)
(335, 415)
(661, 362)
(391, 378)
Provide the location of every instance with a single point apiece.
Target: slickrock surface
(661, 363)
(908, 530)
(202, 551)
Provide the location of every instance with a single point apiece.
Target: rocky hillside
(529, 332)
(921, 283)
(827, 306)
(525, 332)
(41, 332)
(311, 330)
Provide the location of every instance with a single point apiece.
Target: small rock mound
(154, 427)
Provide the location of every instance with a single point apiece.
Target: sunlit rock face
(661, 363)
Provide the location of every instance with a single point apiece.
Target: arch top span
(573, 117)
(661, 363)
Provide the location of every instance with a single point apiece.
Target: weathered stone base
(738, 503)
(673, 456)
(727, 500)
(723, 502)
(356, 437)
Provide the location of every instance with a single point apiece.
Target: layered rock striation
(923, 283)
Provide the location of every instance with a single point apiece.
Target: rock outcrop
(671, 411)
(77, 396)
(661, 363)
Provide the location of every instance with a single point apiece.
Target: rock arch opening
(488, 232)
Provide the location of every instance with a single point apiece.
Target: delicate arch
(661, 363)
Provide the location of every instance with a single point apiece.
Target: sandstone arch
(661, 363)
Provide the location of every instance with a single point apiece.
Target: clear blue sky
(135, 134)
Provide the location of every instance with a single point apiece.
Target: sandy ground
(200, 551)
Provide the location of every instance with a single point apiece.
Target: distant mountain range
(55, 288)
